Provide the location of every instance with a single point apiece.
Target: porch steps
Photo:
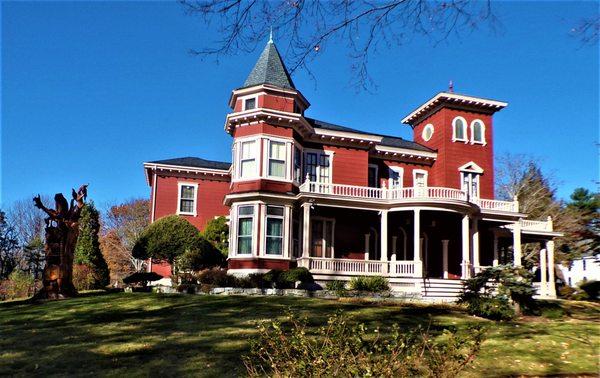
(440, 290)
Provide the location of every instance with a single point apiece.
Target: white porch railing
(436, 193)
(355, 267)
(533, 225)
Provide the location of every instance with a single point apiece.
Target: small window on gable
(459, 129)
(250, 103)
(427, 132)
(477, 132)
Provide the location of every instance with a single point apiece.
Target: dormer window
(459, 130)
(250, 103)
(477, 132)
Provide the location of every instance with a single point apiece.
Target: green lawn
(149, 334)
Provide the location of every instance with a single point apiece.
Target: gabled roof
(386, 140)
(270, 69)
(194, 162)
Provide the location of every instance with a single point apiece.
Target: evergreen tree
(33, 254)
(87, 250)
(217, 233)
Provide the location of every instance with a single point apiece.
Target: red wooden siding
(209, 202)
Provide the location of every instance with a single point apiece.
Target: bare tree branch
(308, 26)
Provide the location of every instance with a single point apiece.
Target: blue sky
(90, 90)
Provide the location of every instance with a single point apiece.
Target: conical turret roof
(270, 69)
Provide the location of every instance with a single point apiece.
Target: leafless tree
(309, 26)
(27, 220)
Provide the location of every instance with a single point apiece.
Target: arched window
(477, 132)
(459, 129)
(427, 132)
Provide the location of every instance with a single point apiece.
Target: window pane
(274, 210)
(477, 132)
(459, 129)
(246, 210)
(187, 192)
(277, 150)
(250, 103)
(186, 206)
(248, 168)
(311, 166)
(324, 161)
(276, 168)
(245, 227)
(274, 227)
(248, 150)
(244, 245)
(274, 246)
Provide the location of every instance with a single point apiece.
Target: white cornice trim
(264, 114)
(348, 134)
(456, 98)
(405, 152)
(470, 167)
(180, 168)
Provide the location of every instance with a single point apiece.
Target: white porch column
(543, 273)
(445, 257)
(367, 237)
(417, 243)
(551, 280)
(517, 243)
(476, 263)
(306, 230)
(495, 261)
(384, 235)
(466, 259)
(394, 243)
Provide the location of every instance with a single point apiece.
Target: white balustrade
(357, 267)
(535, 225)
(496, 205)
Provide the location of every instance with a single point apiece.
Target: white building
(584, 269)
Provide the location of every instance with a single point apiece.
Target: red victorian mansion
(344, 202)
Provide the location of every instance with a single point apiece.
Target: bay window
(245, 230)
(274, 230)
(298, 165)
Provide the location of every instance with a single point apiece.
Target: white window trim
(238, 164)
(248, 97)
(299, 179)
(400, 172)
(179, 185)
(319, 153)
(324, 219)
(377, 183)
(471, 175)
(427, 127)
(234, 239)
(415, 171)
(284, 220)
(473, 141)
(465, 123)
(286, 159)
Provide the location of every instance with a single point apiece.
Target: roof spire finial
(271, 35)
(451, 87)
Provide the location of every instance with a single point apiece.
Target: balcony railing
(399, 194)
(532, 225)
(353, 267)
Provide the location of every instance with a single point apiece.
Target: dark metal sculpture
(62, 230)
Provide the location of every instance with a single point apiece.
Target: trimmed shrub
(575, 294)
(297, 274)
(217, 277)
(88, 253)
(375, 284)
(492, 291)
(338, 287)
(177, 241)
(591, 288)
(216, 232)
(347, 350)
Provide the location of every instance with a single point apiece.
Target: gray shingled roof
(194, 162)
(270, 69)
(387, 140)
